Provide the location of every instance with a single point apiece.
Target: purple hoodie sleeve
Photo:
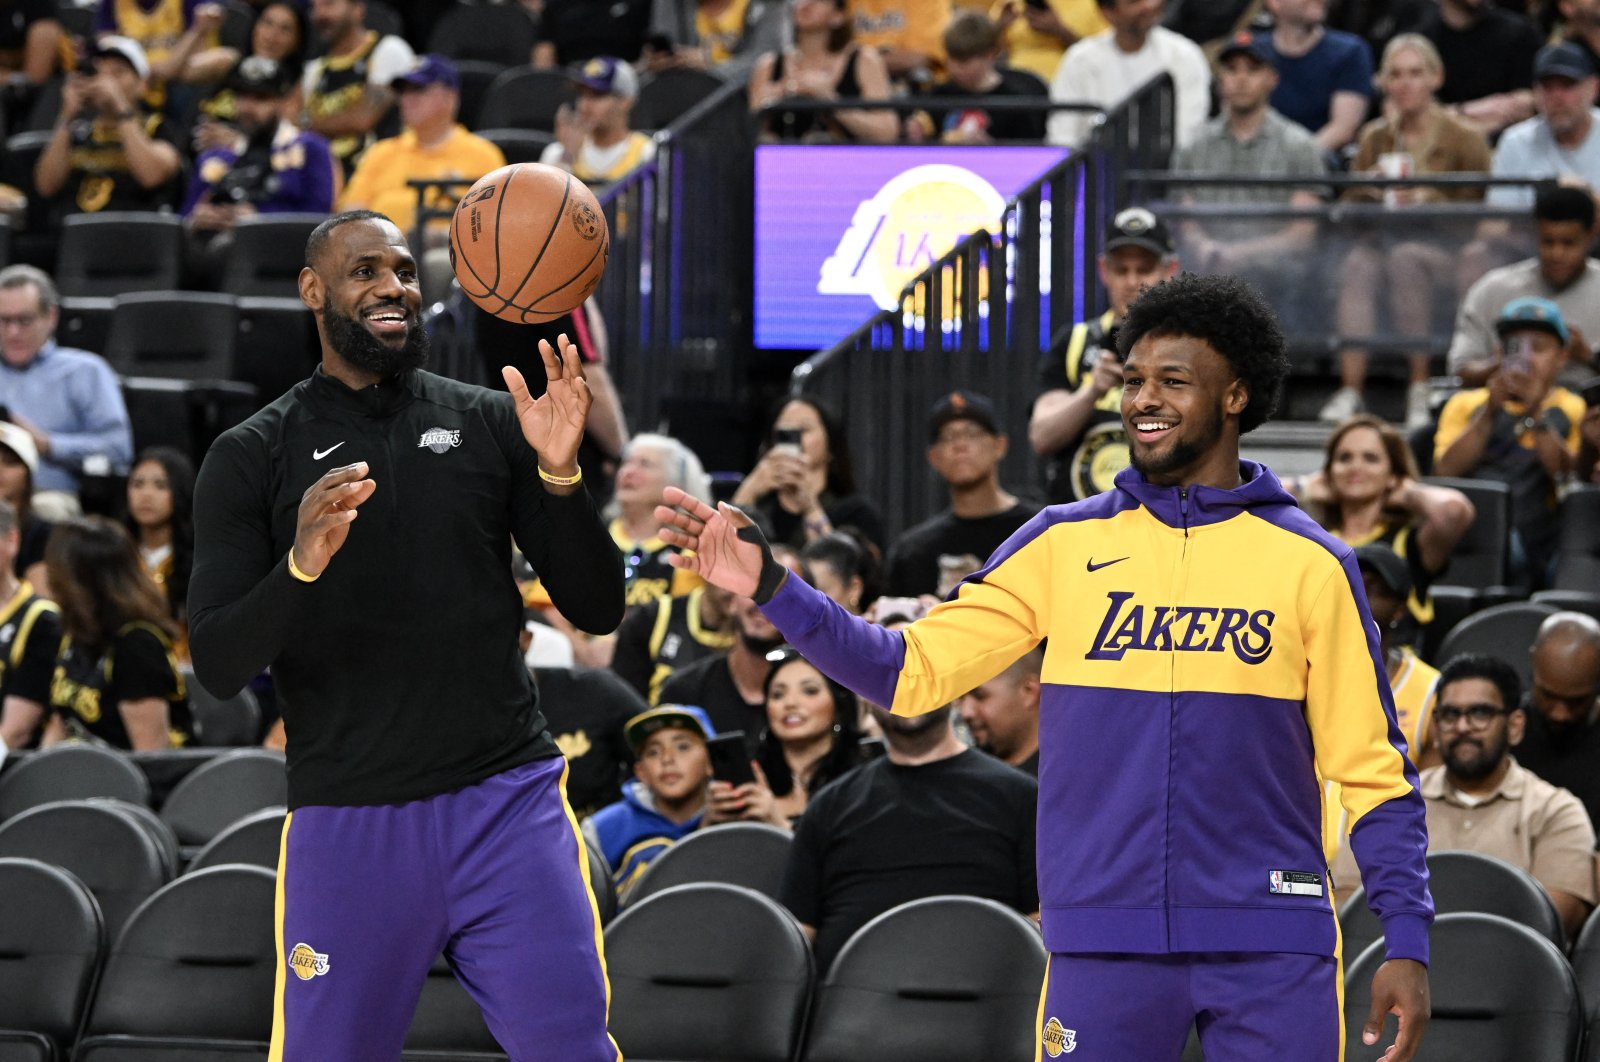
(864, 657)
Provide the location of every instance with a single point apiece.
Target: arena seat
(21, 151)
(5, 242)
(159, 831)
(254, 840)
(527, 98)
(447, 1019)
(192, 977)
(100, 844)
(85, 322)
(238, 19)
(145, 338)
(751, 854)
(1503, 631)
(112, 254)
(1585, 601)
(1499, 990)
(1578, 554)
(267, 253)
(1586, 967)
(276, 346)
(490, 33)
(519, 145)
(51, 941)
(225, 722)
(708, 971)
(943, 979)
(70, 772)
(222, 792)
(666, 96)
(1468, 882)
(163, 413)
(1482, 558)
(476, 77)
(601, 884)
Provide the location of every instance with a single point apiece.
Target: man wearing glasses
(1482, 800)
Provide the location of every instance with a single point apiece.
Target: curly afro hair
(1229, 315)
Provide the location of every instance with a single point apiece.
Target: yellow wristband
(561, 481)
(294, 570)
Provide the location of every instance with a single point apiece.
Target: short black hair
(317, 242)
(1562, 203)
(1482, 666)
(1228, 314)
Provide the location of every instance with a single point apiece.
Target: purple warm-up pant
(495, 875)
(1248, 1007)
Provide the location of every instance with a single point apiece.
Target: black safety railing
(983, 315)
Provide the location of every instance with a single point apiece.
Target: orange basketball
(528, 243)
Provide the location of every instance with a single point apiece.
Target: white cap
(17, 440)
(125, 48)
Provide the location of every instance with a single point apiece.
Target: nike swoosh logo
(1093, 567)
(318, 455)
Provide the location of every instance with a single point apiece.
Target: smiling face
(642, 476)
(1359, 467)
(363, 289)
(799, 703)
(276, 34)
(674, 765)
(1180, 405)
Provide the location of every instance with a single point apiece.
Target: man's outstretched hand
(1400, 987)
(724, 547)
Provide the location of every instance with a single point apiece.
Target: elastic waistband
(1163, 930)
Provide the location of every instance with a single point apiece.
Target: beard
(1475, 763)
(1180, 455)
(353, 342)
(909, 725)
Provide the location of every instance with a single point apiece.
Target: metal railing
(982, 316)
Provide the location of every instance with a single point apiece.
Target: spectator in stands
(1390, 586)
(660, 637)
(1035, 36)
(1562, 271)
(109, 151)
(30, 55)
(1488, 55)
(160, 519)
(116, 680)
(804, 482)
(67, 400)
(432, 146)
(1324, 76)
(1377, 21)
(1588, 467)
(667, 800)
(823, 64)
(1481, 800)
(842, 567)
(587, 710)
(30, 633)
(1561, 741)
(726, 37)
(1582, 26)
(1249, 139)
(973, 45)
(907, 34)
(1559, 141)
(594, 139)
(1520, 429)
(171, 32)
(930, 818)
(270, 167)
(1003, 713)
(731, 686)
(346, 92)
(1368, 490)
(812, 737)
(650, 464)
(572, 32)
(1404, 272)
(18, 462)
(1110, 66)
(965, 448)
(1076, 422)
(280, 33)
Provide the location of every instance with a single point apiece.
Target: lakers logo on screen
(907, 224)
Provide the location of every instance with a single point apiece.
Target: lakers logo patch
(1057, 1040)
(440, 439)
(307, 962)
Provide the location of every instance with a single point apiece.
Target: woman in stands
(19, 457)
(822, 65)
(812, 737)
(160, 518)
(1368, 491)
(1414, 137)
(117, 681)
(279, 33)
(841, 567)
(804, 482)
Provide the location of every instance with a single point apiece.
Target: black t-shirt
(852, 510)
(35, 535)
(1086, 465)
(30, 635)
(138, 664)
(98, 177)
(16, 19)
(1493, 55)
(659, 638)
(1000, 125)
(913, 565)
(1571, 764)
(585, 709)
(709, 684)
(886, 834)
(584, 29)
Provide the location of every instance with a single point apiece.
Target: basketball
(528, 243)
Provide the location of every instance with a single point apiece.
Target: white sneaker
(1418, 413)
(1345, 403)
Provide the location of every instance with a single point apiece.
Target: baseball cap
(1535, 313)
(685, 716)
(430, 69)
(256, 75)
(1138, 227)
(127, 49)
(1246, 43)
(1563, 59)
(1387, 565)
(609, 75)
(16, 439)
(962, 405)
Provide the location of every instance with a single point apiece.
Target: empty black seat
(1585, 601)
(115, 253)
(448, 1019)
(220, 793)
(51, 941)
(751, 854)
(491, 33)
(222, 721)
(254, 840)
(1481, 559)
(669, 95)
(1505, 632)
(1578, 555)
(601, 883)
(179, 335)
(85, 322)
(519, 145)
(70, 772)
(267, 253)
(476, 77)
(525, 97)
(276, 346)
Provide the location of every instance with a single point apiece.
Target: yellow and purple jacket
(1211, 659)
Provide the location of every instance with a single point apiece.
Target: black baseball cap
(1387, 565)
(1138, 227)
(962, 405)
(684, 716)
(1246, 43)
(1563, 59)
(256, 75)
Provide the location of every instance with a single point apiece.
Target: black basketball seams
(560, 212)
(598, 252)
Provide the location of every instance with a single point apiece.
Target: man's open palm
(715, 551)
